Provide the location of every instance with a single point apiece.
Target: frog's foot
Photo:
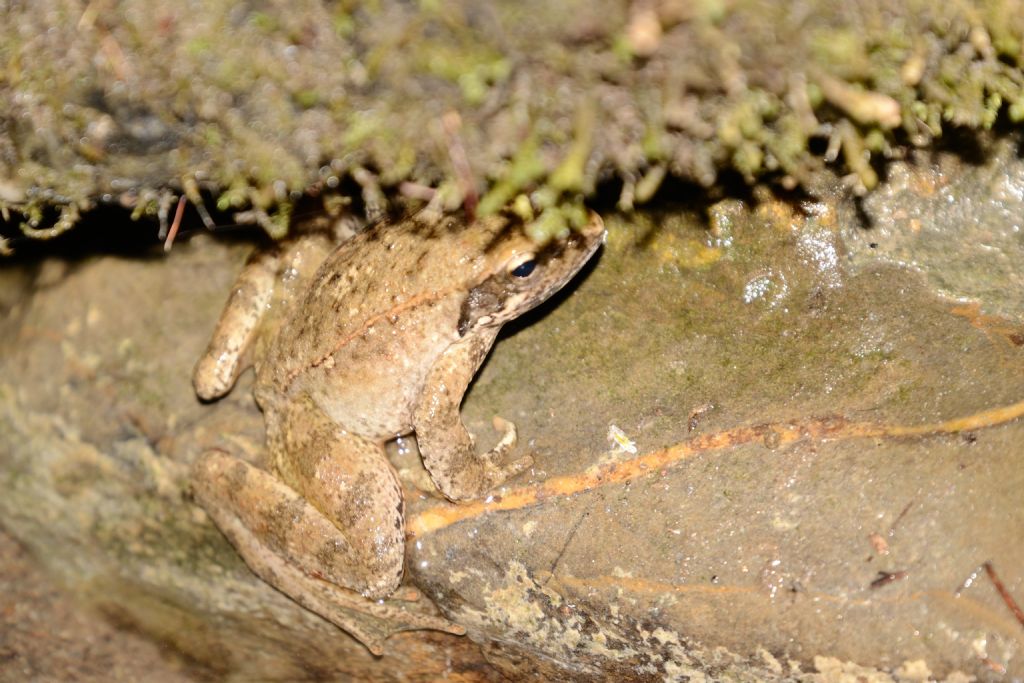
(454, 466)
(496, 473)
(296, 549)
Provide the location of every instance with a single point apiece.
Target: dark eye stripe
(524, 268)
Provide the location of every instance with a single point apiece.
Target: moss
(475, 68)
(552, 97)
(570, 174)
(525, 168)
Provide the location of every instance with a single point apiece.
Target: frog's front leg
(445, 444)
(225, 356)
(333, 540)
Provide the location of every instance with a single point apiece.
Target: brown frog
(381, 340)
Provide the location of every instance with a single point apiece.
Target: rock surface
(826, 424)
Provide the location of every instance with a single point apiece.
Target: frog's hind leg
(294, 547)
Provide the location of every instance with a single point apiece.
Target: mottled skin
(382, 340)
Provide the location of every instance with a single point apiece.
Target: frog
(353, 346)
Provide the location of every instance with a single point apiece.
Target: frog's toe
(509, 435)
(504, 426)
(520, 465)
(380, 620)
(499, 474)
(406, 594)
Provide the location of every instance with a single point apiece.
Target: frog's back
(374, 296)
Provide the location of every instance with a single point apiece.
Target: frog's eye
(525, 268)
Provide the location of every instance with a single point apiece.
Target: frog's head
(518, 274)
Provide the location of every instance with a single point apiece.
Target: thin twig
(1003, 592)
(451, 123)
(173, 232)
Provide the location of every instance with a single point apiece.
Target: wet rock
(826, 455)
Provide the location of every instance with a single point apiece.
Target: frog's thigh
(263, 517)
(283, 539)
(351, 482)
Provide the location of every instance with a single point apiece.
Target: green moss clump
(552, 97)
